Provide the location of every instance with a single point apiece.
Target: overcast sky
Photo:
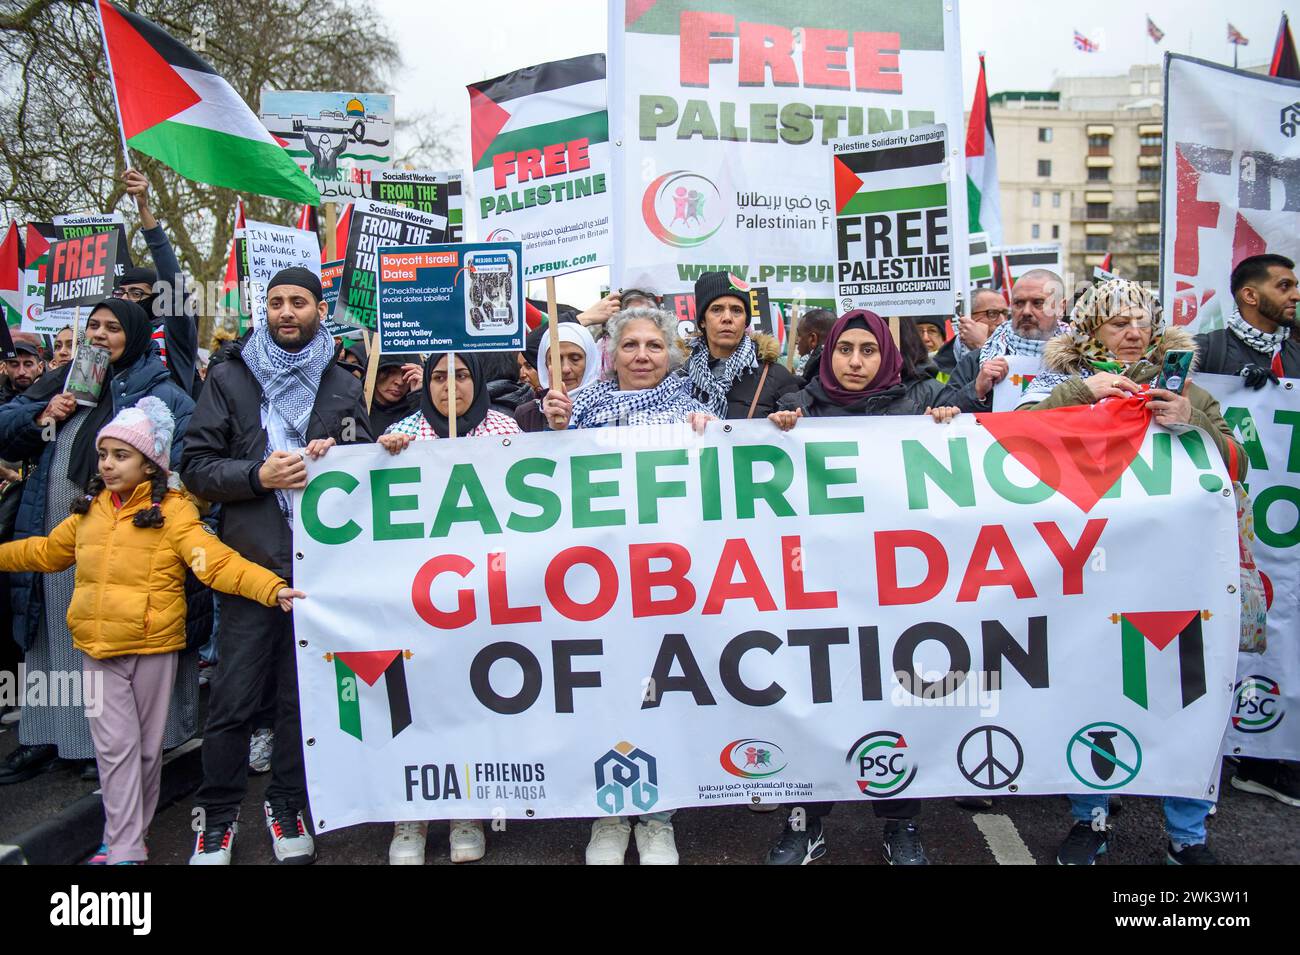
(1026, 44)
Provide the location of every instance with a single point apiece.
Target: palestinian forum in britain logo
(626, 775)
(1104, 756)
(682, 208)
(752, 758)
(883, 763)
(1257, 705)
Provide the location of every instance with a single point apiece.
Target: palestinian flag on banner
(983, 198)
(176, 108)
(230, 283)
(11, 276)
(1160, 628)
(370, 717)
(1284, 63)
(894, 173)
(534, 107)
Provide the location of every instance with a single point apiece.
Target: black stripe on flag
(1018, 259)
(171, 50)
(979, 248)
(1191, 661)
(903, 157)
(543, 77)
(399, 701)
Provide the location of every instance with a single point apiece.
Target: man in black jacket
(274, 399)
(1259, 344)
(734, 374)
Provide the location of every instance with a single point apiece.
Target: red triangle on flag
(149, 90)
(847, 184)
(1080, 451)
(486, 119)
(1160, 626)
(368, 664)
(635, 10)
(36, 246)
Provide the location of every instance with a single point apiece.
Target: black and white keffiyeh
(712, 385)
(1004, 341)
(289, 382)
(601, 404)
(1266, 343)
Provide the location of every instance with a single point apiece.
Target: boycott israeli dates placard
(451, 297)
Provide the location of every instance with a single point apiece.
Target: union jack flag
(1081, 42)
(1235, 36)
(1154, 31)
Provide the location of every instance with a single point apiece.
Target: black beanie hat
(136, 275)
(938, 321)
(713, 285)
(299, 276)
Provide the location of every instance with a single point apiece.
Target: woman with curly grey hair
(640, 387)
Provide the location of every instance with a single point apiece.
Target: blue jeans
(1184, 818)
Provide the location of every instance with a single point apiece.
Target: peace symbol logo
(990, 757)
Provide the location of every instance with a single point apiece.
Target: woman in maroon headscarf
(860, 374)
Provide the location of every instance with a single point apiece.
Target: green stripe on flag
(221, 159)
(894, 200)
(973, 201)
(591, 126)
(349, 699)
(980, 272)
(1134, 656)
(455, 217)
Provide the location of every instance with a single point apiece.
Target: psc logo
(883, 763)
(1256, 704)
(626, 773)
(682, 208)
(752, 758)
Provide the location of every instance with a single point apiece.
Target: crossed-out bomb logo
(682, 208)
(752, 758)
(1256, 704)
(625, 774)
(883, 763)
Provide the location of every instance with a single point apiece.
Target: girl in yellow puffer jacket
(132, 539)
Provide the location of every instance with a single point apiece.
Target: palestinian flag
(174, 107)
(983, 198)
(1105, 264)
(230, 284)
(370, 717)
(307, 219)
(341, 229)
(536, 107)
(1159, 629)
(1284, 63)
(11, 277)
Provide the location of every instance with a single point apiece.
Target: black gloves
(1257, 376)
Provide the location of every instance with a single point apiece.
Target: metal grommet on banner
(1211, 787)
(302, 643)
(1289, 385)
(1227, 492)
(505, 442)
(1236, 750)
(311, 741)
(298, 555)
(1014, 788)
(529, 813)
(1232, 588)
(726, 427)
(320, 823)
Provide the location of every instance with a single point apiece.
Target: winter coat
(383, 416)
(892, 401)
(226, 446)
(529, 415)
(1222, 353)
(779, 381)
(130, 581)
(21, 439)
(1064, 356)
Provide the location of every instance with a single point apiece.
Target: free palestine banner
(721, 115)
(635, 619)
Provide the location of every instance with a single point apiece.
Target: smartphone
(1174, 371)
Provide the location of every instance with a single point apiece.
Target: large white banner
(713, 104)
(1231, 181)
(1268, 684)
(630, 620)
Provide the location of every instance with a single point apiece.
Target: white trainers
(214, 846)
(259, 751)
(609, 838)
(467, 840)
(407, 847)
(655, 843)
(290, 840)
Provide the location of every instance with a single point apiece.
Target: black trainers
(798, 846)
(974, 803)
(27, 762)
(1083, 845)
(1269, 777)
(1198, 854)
(903, 844)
